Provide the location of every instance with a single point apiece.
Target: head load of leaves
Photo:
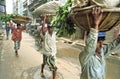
(61, 20)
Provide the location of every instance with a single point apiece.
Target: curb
(74, 42)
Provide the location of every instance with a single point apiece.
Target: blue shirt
(93, 67)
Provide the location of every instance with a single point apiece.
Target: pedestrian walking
(17, 36)
(49, 48)
(38, 39)
(92, 59)
(7, 31)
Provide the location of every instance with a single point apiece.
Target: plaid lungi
(16, 45)
(50, 61)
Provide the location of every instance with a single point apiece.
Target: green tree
(6, 18)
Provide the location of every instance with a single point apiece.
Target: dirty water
(34, 73)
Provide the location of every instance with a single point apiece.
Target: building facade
(2, 10)
(15, 6)
(2, 7)
(18, 7)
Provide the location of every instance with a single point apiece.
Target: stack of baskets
(81, 16)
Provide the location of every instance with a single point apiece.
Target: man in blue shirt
(92, 60)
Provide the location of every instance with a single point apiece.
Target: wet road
(27, 65)
(11, 66)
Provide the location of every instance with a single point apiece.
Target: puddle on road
(46, 72)
(34, 73)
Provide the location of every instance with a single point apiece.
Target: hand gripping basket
(83, 19)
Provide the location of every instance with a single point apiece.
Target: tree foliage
(7, 17)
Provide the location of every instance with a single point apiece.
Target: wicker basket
(49, 8)
(19, 21)
(83, 19)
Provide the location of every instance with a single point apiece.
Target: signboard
(2, 8)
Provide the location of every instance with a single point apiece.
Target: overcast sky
(9, 6)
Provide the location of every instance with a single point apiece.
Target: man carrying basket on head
(92, 60)
(17, 36)
(49, 49)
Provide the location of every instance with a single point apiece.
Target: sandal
(42, 75)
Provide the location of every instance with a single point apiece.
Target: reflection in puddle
(34, 73)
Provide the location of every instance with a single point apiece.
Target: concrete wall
(113, 67)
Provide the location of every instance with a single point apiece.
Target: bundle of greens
(62, 22)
